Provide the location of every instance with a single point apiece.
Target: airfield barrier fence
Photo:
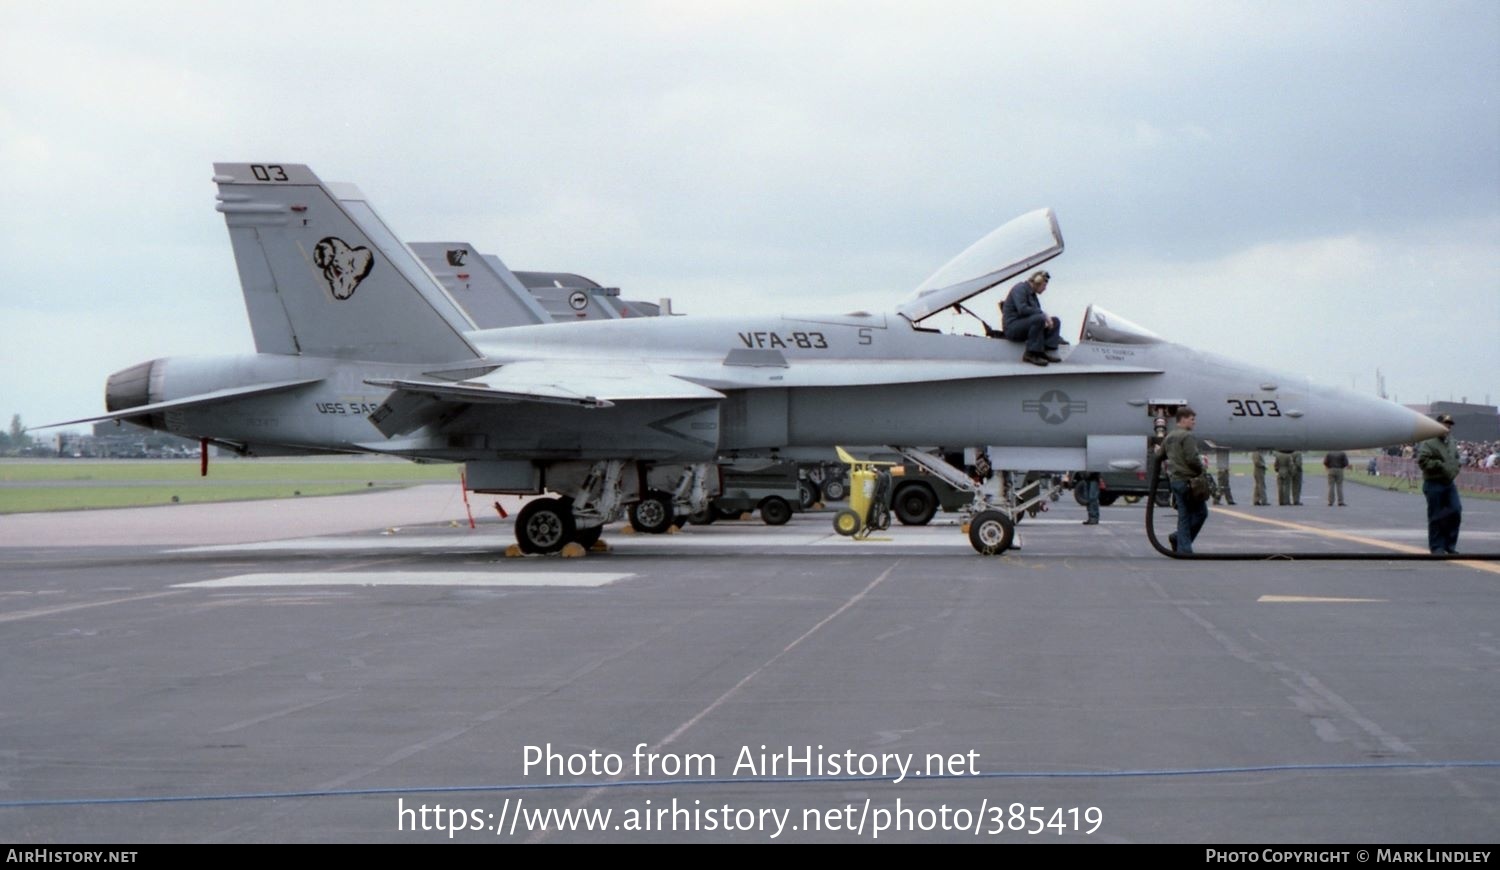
(1402, 469)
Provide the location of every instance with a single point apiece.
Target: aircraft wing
(193, 401)
(596, 384)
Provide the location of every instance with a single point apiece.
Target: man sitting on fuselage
(1022, 319)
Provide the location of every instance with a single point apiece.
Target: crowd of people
(1471, 454)
(1479, 454)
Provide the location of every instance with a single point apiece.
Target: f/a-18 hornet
(360, 349)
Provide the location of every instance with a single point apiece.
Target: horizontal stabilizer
(193, 401)
(470, 391)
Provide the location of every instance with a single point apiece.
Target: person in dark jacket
(1438, 459)
(1022, 319)
(1089, 481)
(1184, 462)
(1334, 464)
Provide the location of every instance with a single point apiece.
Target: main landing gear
(546, 525)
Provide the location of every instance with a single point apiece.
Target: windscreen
(1100, 325)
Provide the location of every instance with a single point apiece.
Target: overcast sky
(1310, 186)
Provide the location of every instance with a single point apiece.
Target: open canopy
(1028, 241)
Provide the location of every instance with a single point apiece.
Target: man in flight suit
(1283, 477)
(1022, 319)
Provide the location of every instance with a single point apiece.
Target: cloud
(1420, 306)
(766, 155)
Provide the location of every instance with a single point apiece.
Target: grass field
(75, 484)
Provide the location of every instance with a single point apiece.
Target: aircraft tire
(834, 489)
(545, 525)
(774, 511)
(652, 515)
(846, 522)
(915, 504)
(991, 532)
(703, 517)
(807, 493)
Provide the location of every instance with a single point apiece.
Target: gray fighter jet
(494, 296)
(359, 349)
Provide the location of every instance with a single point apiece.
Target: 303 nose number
(1253, 408)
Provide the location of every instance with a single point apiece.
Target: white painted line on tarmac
(409, 578)
(17, 616)
(1339, 535)
(393, 542)
(1313, 599)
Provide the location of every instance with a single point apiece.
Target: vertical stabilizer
(324, 276)
(482, 286)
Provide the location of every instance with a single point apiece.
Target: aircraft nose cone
(1357, 420)
(1427, 428)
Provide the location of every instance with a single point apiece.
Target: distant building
(1470, 422)
(109, 440)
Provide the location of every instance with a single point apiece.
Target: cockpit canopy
(1023, 243)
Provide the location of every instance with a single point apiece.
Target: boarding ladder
(1020, 496)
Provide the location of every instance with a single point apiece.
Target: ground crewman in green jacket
(1438, 459)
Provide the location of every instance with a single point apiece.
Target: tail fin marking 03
(324, 276)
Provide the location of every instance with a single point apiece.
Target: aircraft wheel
(588, 537)
(807, 493)
(1078, 496)
(703, 517)
(545, 525)
(652, 515)
(835, 488)
(915, 505)
(774, 511)
(846, 523)
(991, 532)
